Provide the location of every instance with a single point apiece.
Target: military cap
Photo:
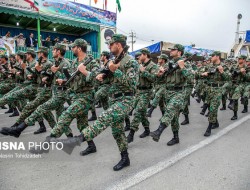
(59, 46)
(106, 53)
(137, 54)
(22, 53)
(163, 56)
(178, 47)
(31, 51)
(79, 42)
(42, 49)
(118, 38)
(145, 51)
(217, 53)
(12, 55)
(187, 54)
(4, 56)
(242, 57)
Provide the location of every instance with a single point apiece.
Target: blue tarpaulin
(247, 36)
(154, 48)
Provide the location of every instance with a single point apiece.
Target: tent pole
(38, 32)
(99, 42)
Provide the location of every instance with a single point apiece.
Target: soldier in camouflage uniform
(217, 74)
(189, 88)
(147, 76)
(175, 76)
(123, 79)
(238, 74)
(43, 94)
(82, 94)
(7, 82)
(160, 87)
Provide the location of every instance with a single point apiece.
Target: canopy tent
(64, 28)
(247, 39)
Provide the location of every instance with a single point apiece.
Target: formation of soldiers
(121, 85)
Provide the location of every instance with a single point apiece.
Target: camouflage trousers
(54, 103)
(4, 89)
(19, 94)
(142, 99)
(78, 109)
(159, 97)
(237, 93)
(174, 105)
(226, 89)
(42, 96)
(113, 117)
(189, 90)
(214, 97)
(102, 96)
(247, 91)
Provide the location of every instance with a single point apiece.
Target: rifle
(51, 75)
(6, 72)
(106, 70)
(77, 72)
(34, 73)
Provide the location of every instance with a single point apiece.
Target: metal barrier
(69, 54)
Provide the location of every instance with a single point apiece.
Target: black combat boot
(42, 128)
(208, 131)
(232, 104)
(198, 100)
(245, 110)
(193, 94)
(127, 124)
(124, 162)
(145, 133)
(130, 137)
(186, 121)
(215, 125)
(174, 140)
(162, 112)
(10, 110)
(14, 131)
(4, 107)
(98, 104)
(157, 133)
(235, 116)
(93, 117)
(70, 135)
(204, 109)
(150, 111)
(207, 114)
(223, 107)
(90, 149)
(15, 113)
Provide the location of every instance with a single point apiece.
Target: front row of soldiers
(121, 85)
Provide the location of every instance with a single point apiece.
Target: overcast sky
(209, 24)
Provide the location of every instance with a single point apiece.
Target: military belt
(84, 90)
(62, 88)
(215, 84)
(144, 87)
(123, 94)
(176, 88)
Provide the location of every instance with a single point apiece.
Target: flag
(95, 1)
(118, 5)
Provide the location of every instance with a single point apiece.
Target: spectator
(30, 42)
(55, 41)
(48, 42)
(65, 42)
(7, 35)
(20, 40)
(240, 39)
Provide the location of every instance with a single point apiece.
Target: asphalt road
(221, 161)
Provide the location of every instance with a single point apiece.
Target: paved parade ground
(220, 161)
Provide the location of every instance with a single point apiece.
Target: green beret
(163, 56)
(20, 53)
(118, 38)
(178, 47)
(145, 51)
(4, 56)
(79, 42)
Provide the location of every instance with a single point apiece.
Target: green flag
(118, 5)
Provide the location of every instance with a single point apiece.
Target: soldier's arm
(129, 78)
(226, 75)
(94, 70)
(151, 75)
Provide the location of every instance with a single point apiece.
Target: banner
(198, 51)
(8, 45)
(247, 36)
(19, 4)
(77, 11)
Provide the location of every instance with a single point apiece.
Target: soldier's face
(240, 61)
(75, 50)
(174, 53)
(142, 57)
(55, 53)
(214, 58)
(114, 48)
(102, 58)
